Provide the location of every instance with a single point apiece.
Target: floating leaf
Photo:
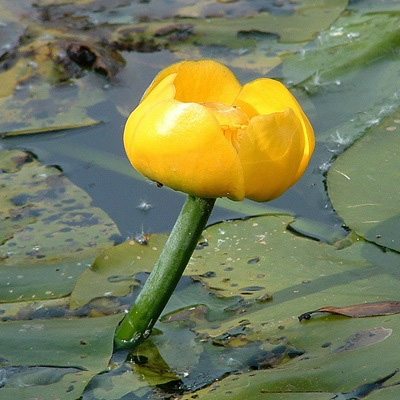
(271, 275)
(316, 230)
(87, 346)
(65, 108)
(17, 311)
(28, 384)
(242, 42)
(362, 187)
(114, 272)
(33, 281)
(300, 26)
(232, 388)
(389, 392)
(334, 69)
(358, 310)
(43, 74)
(366, 389)
(49, 230)
(116, 384)
(354, 40)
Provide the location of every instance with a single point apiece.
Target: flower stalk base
(166, 274)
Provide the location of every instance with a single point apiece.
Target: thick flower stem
(169, 268)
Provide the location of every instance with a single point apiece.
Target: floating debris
(144, 206)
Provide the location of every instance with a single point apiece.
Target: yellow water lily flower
(199, 131)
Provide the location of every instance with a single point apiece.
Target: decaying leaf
(358, 310)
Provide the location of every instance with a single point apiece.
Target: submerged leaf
(148, 363)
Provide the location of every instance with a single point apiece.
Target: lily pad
(334, 69)
(30, 384)
(302, 25)
(41, 281)
(361, 184)
(65, 108)
(254, 40)
(43, 69)
(271, 276)
(114, 272)
(115, 385)
(83, 353)
(48, 228)
(290, 274)
(263, 247)
(355, 39)
(87, 346)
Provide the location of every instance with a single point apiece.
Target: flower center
(232, 119)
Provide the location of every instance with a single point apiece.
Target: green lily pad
(259, 246)
(33, 282)
(302, 25)
(43, 385)
(334, 69)
(387, 393)
(254, 40)
(271, 276)
(362, 187)
(88, 344)
(66, 108)
(271, 386)
(299, 273)
(62, 368)
(114, 272)
(49, 230)
(354, 40)
(368, 6)
(45, 85)
(116, 384)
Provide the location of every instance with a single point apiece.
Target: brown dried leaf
(359, 310)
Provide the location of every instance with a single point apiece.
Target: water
(94, 159)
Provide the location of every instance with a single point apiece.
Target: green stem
(169, 268)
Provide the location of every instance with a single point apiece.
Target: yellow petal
(163, 91)
(201, 81)
(181, 145)
(265, 96)
(271, 152)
